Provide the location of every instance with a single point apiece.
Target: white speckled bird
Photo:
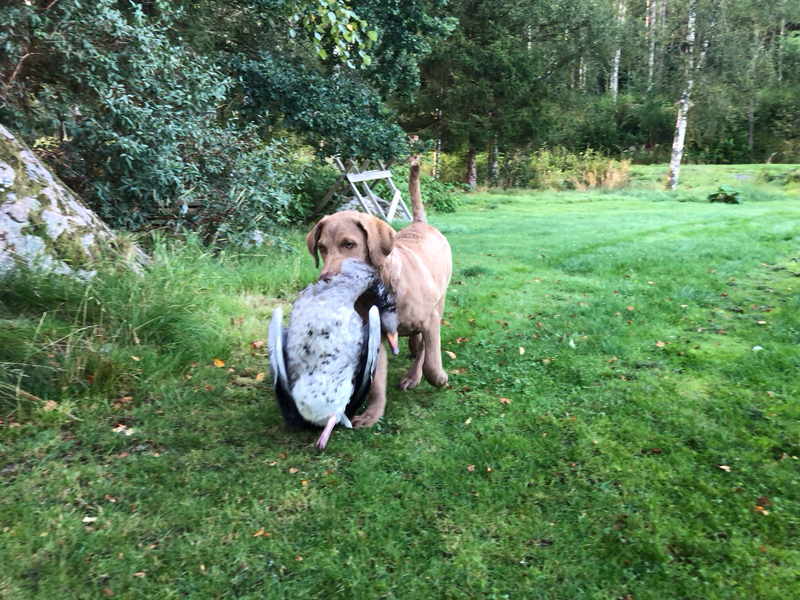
(322, 365)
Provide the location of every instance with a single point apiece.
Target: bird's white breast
(323, 353)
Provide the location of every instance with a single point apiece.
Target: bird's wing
(370, 346)
(277, 363)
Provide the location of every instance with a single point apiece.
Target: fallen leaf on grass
(293, 470)
(299, 558)
(521, 350)
(660, 344)
(122, 429)
(304, 482)
(725, 468)
(273, 463)
(471, 468)
(613, 359)
(260, 533)
(257, 344)
(139, 574)
(763, 501)
(468, 421)
(219, 363)
(123, 454)
(450, 354)
(136, 358)
(50, 405)
(505, 400)
(107, 592)
(109, 498)
(260, 377)
(89, 519)
(762, 322)
(761, 509)
(572, 344)
(462, 339)
(283, 454)
(630, 308)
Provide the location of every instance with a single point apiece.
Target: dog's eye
(322, 249)
(349, 245)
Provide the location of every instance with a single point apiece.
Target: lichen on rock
(43, 225)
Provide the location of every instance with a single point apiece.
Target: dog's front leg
(377, 394)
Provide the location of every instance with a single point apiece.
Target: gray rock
(43, 225)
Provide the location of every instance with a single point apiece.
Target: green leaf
(373, 35)
(322, 54)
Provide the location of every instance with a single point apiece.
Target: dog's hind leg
(432, 363)
(414, 374)
(414, 342)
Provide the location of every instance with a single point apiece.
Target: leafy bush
(726, 194)
(139, 119)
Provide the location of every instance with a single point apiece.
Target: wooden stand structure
(371, 203)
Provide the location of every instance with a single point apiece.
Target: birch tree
(684, 104)
(650, 25)
(617, 55)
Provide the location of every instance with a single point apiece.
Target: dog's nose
(325, 276)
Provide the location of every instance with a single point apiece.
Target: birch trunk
(615, 72)
(683, 108)
(471, 177)
(661, 27)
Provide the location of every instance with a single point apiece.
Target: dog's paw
(365, 419)
(409, 382)
(438, 380)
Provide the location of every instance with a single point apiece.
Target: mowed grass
(609, 431)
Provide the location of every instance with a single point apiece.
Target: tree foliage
(144, 108)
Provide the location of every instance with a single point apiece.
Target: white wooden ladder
(371, 203)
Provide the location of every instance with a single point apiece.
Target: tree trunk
(492, 162)
(615, 72)
(650, 24)
(661, 28)
(750, 126)
(471, 177)
(43, 225)
(683, 108)
(779, 49)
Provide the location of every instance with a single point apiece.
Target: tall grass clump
(560, 169)
(61, 337)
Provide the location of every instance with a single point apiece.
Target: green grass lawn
(610, 431)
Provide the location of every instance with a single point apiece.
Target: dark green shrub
(726, 194)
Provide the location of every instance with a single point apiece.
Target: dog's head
(349, 234)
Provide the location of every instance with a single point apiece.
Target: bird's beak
(392, 337)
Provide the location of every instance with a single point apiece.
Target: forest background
(234, 108)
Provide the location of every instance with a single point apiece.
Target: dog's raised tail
(414, 193)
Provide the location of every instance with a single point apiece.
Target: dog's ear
(312, 239)
(380, 238)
